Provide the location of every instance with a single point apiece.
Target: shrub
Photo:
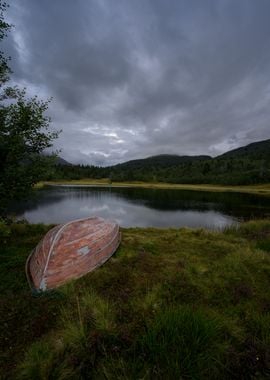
(4, 231)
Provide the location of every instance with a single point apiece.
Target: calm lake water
(143, 207)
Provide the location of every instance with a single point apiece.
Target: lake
(139, 207)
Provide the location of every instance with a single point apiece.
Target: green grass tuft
(38, 362)
(183, 343)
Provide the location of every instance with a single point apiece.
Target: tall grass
(39, 362)
(71, 351)
(183, 343)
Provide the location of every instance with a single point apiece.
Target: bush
(4, 231)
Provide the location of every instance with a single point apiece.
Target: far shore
(263, 189)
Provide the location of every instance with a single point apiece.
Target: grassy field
(252, 189)
(170, 304)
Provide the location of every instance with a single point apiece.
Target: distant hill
(257, 150)
(60, 161)
(161, 161)
(245, 165)
(242, 166)
(57, 160)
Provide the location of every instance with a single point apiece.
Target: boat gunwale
(29, 277)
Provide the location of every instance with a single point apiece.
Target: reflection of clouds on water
(87, 209)
(127, 212)
(140, 216)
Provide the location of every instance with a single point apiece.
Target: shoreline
(249, 189)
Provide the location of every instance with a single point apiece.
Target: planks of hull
(70, 251)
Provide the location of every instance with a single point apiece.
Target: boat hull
(70, 251)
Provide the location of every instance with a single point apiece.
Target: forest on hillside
(243, 166)
(214, 171)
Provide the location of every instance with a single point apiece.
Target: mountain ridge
(164, 160)
(259, 148)
(245, 165)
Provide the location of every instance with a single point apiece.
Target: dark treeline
(243, 166)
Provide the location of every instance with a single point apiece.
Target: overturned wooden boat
(71, 250)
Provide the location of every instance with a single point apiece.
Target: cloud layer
(130, 79)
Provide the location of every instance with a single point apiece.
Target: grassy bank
(251, 189)
(170, 304)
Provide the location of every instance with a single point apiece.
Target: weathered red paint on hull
(70, 251)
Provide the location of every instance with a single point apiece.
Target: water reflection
(143, 207)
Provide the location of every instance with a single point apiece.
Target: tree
(24, 134)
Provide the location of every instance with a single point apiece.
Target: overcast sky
(134, 78)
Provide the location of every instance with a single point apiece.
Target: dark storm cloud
(136, 78)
